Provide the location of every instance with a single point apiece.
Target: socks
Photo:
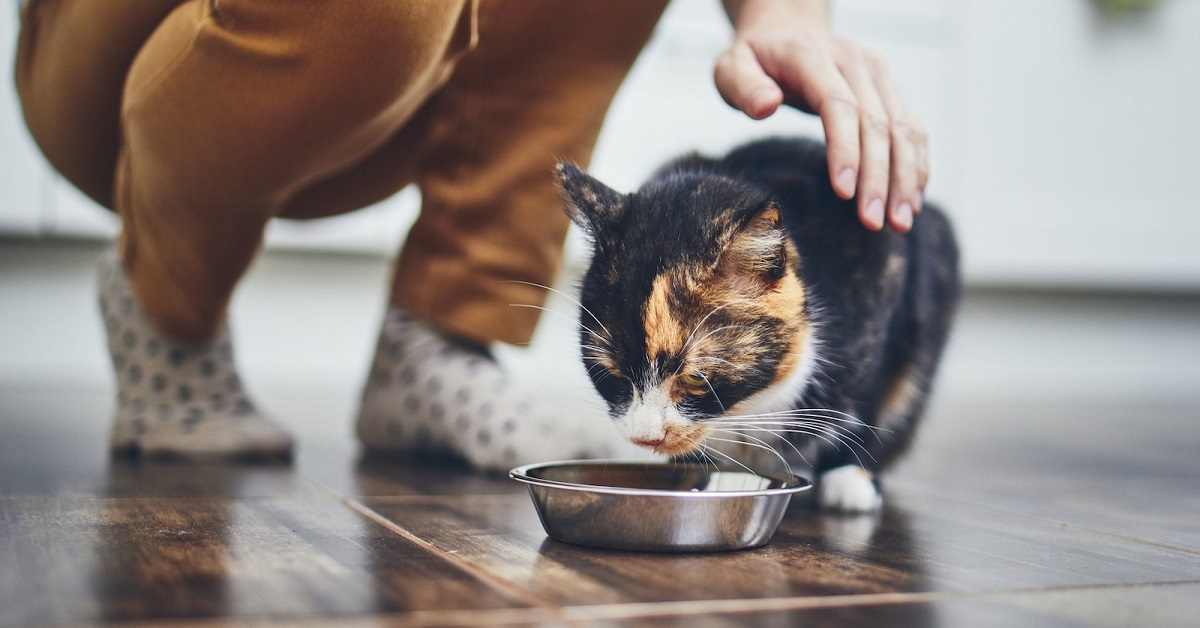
(428, 392)
(177, 400)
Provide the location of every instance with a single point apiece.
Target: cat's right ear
(590, 204)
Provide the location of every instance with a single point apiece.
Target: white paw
(848, 489)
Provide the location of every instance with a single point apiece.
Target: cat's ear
(757, 252)
(588, 202)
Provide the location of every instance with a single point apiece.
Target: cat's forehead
(709, 199)
(672, 301)
(679, 221)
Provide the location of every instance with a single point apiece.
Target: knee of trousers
(242, 104)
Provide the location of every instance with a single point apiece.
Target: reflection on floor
(1054, 484)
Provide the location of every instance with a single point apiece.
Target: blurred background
(1065, 146)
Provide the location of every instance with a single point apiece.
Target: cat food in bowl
(658, 507)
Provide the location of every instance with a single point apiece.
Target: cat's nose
(648, 442)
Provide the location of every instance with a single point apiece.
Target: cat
(739, 299)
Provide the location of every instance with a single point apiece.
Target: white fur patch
(783, 394)
(848, 489)
(648, 415)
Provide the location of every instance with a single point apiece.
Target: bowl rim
(795, 483)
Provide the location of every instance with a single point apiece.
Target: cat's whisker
(838, 429)
(756, 445)
(761, 444)
(709, 458)
(594, 348)
(841, 433)
(573, 319)
(712, 358)
(699, 451)
(841, 424)
(823, 432)
(688, 343)
(603, 376)
(816, 420)
(800, 419)
(713, 391)
(741, 433)
(727, 457)
(845, 415)
(566, 296)
(596, 365)
(718, 330)
(742, 429)
(815, 413)
(833, 439)
(736, 367)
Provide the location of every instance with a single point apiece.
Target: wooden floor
(1052, 510)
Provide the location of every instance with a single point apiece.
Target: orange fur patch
(681, 439)
(899, 398)
(664, 331)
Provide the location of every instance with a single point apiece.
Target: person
(197, 121)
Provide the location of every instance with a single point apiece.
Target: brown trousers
(200, 120)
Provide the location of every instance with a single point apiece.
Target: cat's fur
(743, 286)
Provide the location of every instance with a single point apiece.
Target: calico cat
(739, 299)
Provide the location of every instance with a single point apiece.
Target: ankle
(176, 318)
(468, 345)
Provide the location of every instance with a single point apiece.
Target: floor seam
(502, 585)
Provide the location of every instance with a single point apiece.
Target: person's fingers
(815, 78)
(743, 84)
(922, 172)
(902, 190)
(910, 155)
(875, 134)
(876, 148)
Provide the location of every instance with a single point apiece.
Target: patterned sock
(177, 400)
(428, 392)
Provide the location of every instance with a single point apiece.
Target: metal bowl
(660, 507)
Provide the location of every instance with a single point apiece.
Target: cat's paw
(848, 489)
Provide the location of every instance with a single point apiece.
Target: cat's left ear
(758, 251)
(590, 204)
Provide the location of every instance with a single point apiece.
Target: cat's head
(692, 307)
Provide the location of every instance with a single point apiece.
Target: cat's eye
(694, 380)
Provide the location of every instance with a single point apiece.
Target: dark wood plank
(67, 559)
(920, 543)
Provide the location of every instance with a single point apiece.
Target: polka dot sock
(428, 392)
(177, 400)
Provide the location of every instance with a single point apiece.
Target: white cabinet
(1077, 142)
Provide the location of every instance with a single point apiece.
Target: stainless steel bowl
(661, 507)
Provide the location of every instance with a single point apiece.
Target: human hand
(784, 53)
